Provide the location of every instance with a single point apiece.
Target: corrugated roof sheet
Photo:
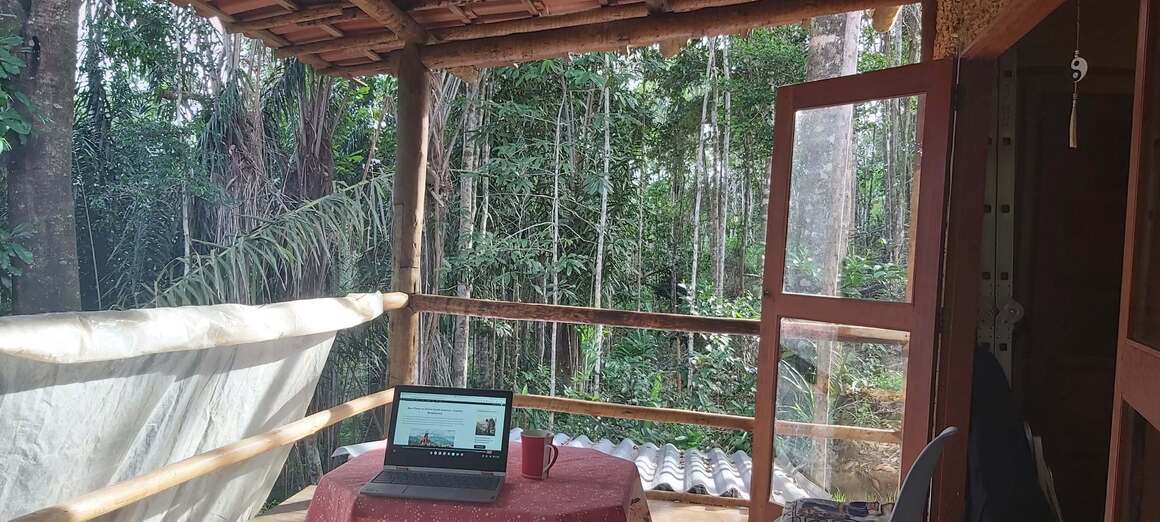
(706, 472)
(668, 468)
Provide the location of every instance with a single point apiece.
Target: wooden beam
(347, 14)
(626, 411)
(581, 315)
(1013, 20)
(695, 498)
(469, 32)
(687, 21)
(715, 420)
(395, 19)
(649, 320)
(365, 41)
(331, 30)
(458, 11)
(394, 301)
(271, 40)
(671, 48)
(884, 17)
(408, 194)
(305, 15)
(121, 494)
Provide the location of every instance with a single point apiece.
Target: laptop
(445, 444)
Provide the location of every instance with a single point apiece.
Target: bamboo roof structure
(366, 37)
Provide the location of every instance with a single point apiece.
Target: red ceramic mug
(539, 455)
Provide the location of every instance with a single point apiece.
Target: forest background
(204, 171)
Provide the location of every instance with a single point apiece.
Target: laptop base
(429, 493)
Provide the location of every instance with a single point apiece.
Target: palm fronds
(261, 264)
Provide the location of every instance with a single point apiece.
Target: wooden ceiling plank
(458, 11)
(347, 14)
(350, 42)
(687, 21)
(308, 14)
(287, 5)
(331, 30)
(475, 31)
(270, 39)
(395, 19)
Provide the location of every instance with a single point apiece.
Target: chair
(912, 497)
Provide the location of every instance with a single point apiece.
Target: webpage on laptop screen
(450, 425)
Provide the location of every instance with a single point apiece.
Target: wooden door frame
(1137, 365)
(973, 133)
(918, 315)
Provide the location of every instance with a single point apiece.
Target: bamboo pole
(715, 420)
(394, 301)
(408, 194)
(690, 19)
(121, 494)
(793, 329)
(627, 411)
(581, 315)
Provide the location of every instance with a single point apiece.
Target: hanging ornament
(1079, 69)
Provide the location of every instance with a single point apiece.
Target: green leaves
(12, 121)
(12, 251)
(261, 264)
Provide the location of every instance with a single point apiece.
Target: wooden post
(408, 198)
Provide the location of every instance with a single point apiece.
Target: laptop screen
(449, 428)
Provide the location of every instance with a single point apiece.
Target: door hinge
(956, 96)
(940, 320)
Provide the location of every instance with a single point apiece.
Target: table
(585, 485)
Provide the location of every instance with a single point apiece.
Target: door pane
(1144, 315)
(849, 230)
(846, 376)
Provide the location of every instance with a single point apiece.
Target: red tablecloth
(585, 485)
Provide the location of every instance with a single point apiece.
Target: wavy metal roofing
(668, 468)
(706, 472)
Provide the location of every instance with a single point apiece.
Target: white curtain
(91, 399)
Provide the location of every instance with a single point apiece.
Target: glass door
(851, 277)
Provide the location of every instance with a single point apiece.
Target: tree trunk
(459, 342)
(40, 192)
(602, 228)
(438, 361)
(713, 180)
(556, 241)
(724, 174)
(698, 179)
(822, 200)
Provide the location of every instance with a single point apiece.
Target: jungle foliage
(207, 171)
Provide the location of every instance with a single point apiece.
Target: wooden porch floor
(294, 510)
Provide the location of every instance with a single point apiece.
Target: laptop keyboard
(437, 480)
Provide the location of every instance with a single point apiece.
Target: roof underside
(361, 37)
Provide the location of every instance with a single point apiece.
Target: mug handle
(552, 461)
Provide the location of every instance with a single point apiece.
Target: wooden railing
(648, 320)
(121, 494)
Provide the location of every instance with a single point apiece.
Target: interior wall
(1069, 219)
